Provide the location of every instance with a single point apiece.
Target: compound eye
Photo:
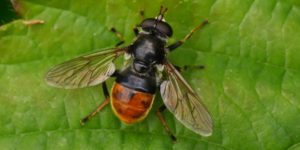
(147, 24)
(162, 27)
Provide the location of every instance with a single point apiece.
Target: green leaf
(250, 83)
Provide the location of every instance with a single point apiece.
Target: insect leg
(135, 29)
(116, 73)
(142, 14)
(119, 35)
(180, 42)
(164, 123)
(100, 107)
(186, 67)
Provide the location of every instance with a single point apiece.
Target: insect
(147, 70)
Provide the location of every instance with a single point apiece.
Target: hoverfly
(134, 89)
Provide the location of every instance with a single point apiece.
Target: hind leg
(164, 123)
(100, 107)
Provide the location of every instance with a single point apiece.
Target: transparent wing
(184, 102)
(84, 71)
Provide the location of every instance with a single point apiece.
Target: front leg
(119, 35)
(135, 29)
(180, 42)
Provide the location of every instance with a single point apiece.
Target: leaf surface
(250, 83)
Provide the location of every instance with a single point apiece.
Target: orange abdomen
(129, 105)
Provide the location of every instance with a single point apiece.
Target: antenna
(160, 15)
